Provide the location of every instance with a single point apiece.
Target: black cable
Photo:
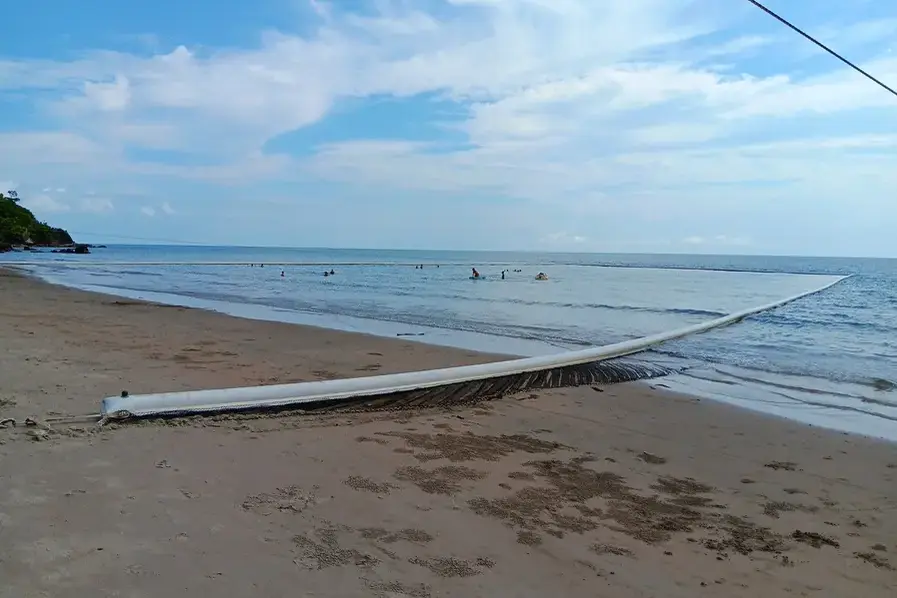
(823, 46)
(131, 238)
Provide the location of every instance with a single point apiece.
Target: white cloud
(96, 205)
(563, 239)
(52, 152)
(850, 37)
(48, 202)
(110, 97)
(717, 240)
(44, 204)
(150, 211)
(738, 46)
(574, 108)
(151, 135)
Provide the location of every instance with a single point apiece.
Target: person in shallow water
(475, 273)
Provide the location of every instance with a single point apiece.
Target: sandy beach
(625, 490)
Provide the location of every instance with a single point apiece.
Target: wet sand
(626, 490)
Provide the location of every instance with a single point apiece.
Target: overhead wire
(812, 39)
(133, 238)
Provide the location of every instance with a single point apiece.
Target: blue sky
(595, 125)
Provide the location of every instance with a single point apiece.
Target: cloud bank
(614, 125)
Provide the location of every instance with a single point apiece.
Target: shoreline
(465, 340)
(752, 397)
(618, 489)
(386, 355)
(254, 312)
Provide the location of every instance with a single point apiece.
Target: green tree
(19, 226)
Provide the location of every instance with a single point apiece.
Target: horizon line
(527, 251)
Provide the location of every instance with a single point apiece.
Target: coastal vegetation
(19, 226)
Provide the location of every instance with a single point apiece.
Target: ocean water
(829, 359)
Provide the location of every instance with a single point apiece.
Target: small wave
(825, 405)
(881, 402)
(685, 349)
(623, 307)
(784, 386)
(707, 268)
(134, 273)
(570, 305)
(880, 384)
(673, 310)
(824, 319)
(541, 334)
(778, 389)
(682, 311)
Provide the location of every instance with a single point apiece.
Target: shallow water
(825, 359)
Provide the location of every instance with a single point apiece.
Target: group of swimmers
(475, 274)
(283, 273)
(326, 273)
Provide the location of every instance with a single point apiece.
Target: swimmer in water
(475, 273)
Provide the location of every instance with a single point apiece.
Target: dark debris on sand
(326, 552)
(417, 536)
(571, 486)
(290, 498)
(450, 566)
(528, 538)
(781, 465)
(774, 509)
(814, 539)
(441, 480)
(472, 447)
(875, 560)
(364, 484)
(395, 588)
(603, 549)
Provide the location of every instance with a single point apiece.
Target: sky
(667, 126)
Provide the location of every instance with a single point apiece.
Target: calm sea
(829, 359)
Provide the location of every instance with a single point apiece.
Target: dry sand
(621, 491)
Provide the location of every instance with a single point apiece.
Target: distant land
(20, 229)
